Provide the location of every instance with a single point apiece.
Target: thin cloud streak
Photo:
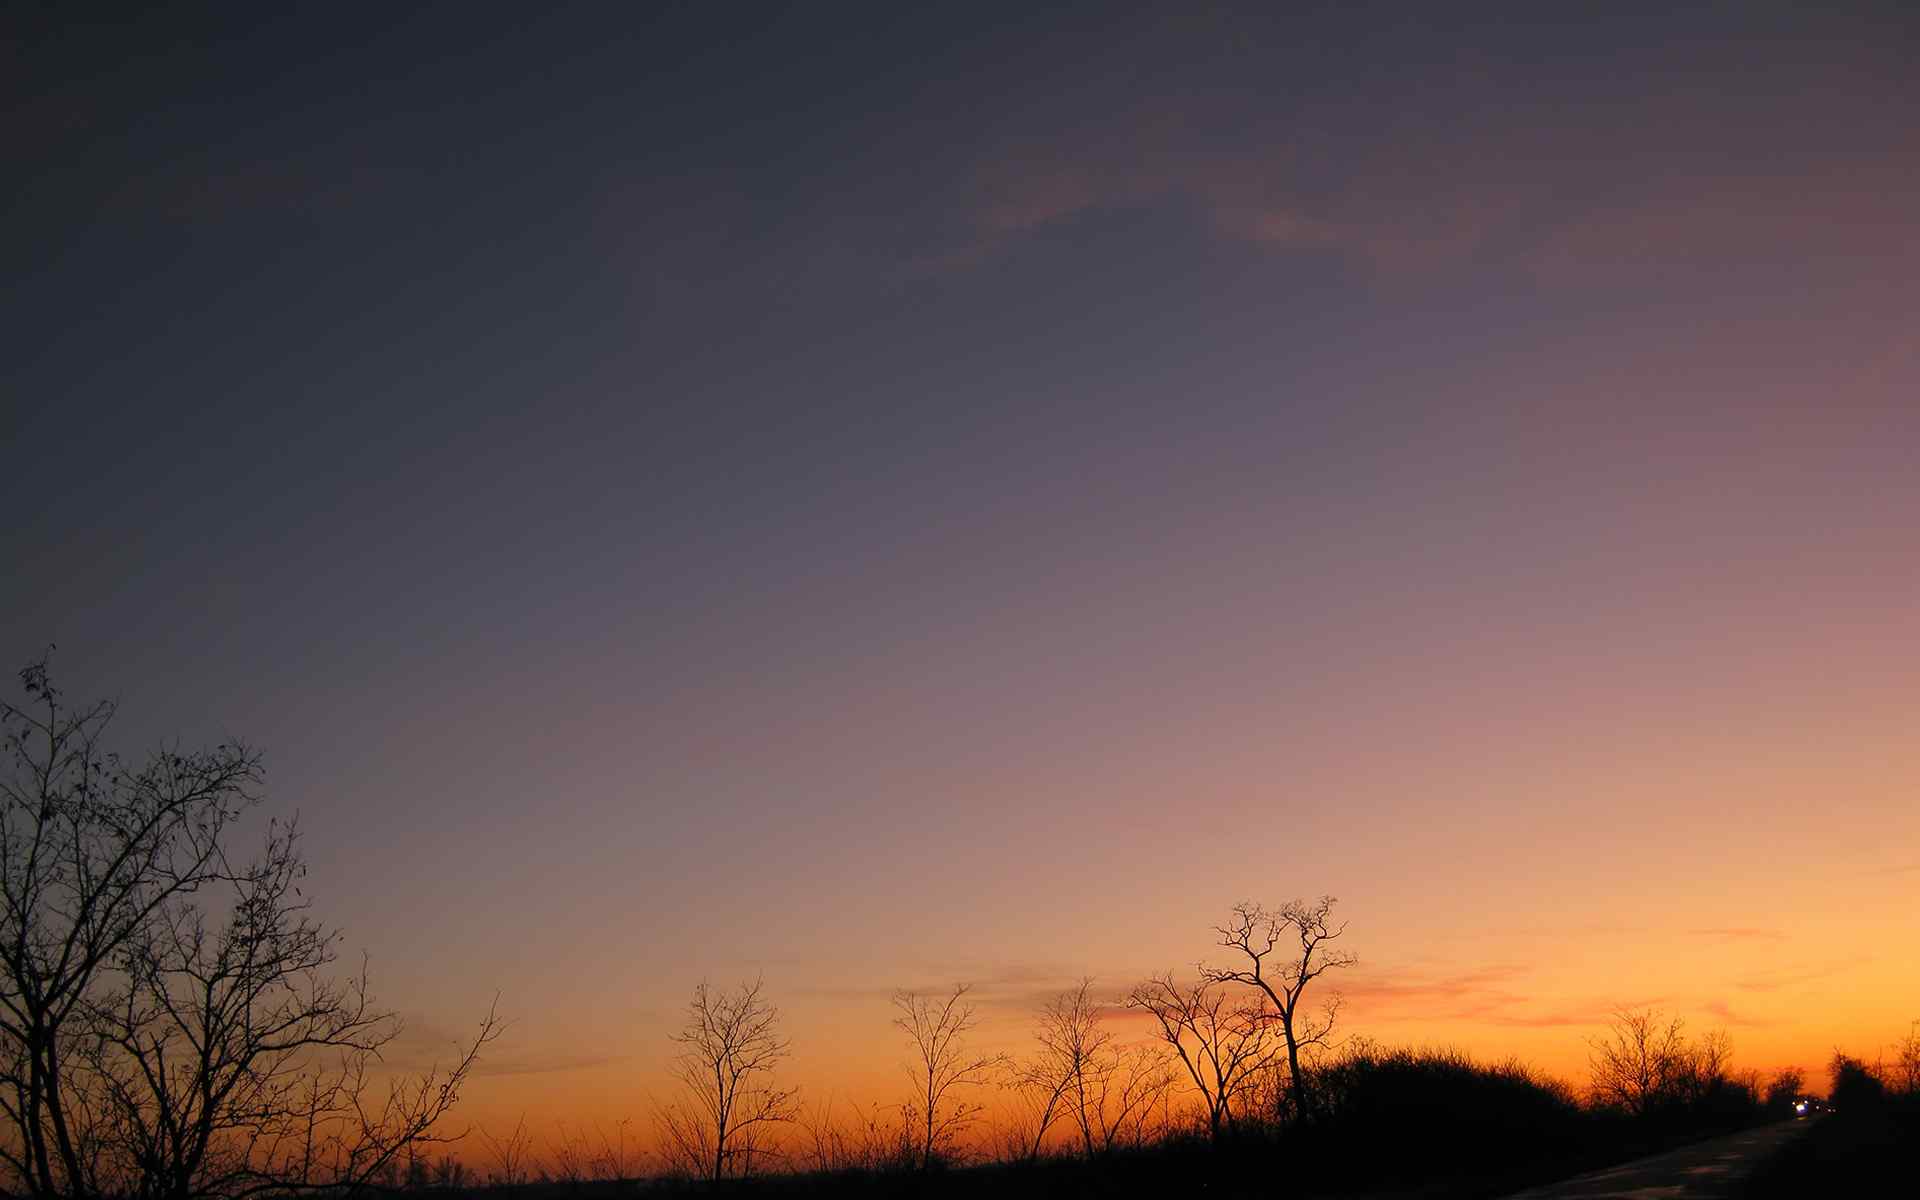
(1790, 978)
(1725, 1014)
(557, 1064)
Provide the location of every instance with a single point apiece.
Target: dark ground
(1713, 1167)
(1868, 1152)
(1718, 1167)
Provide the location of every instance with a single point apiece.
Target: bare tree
(449, 1174)
(512, 1155)
(1904, 1073)
(212, 1054)
(730, 1046)
(89, 851)
(578, 1154)
(1225, 1046)
(618, 1158)
(1061, 1079)
(1079, 1051)
(1640, 1062)
(942, 1065)
(1130, 1103)
(1107, 1093)
(876, 1141)
(1286, 949)
(148, 1045)
(1019, 1130)
(1646, 1061)
(571, 1155)
(1704, 1066)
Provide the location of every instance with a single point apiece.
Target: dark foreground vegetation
(1868, 1146)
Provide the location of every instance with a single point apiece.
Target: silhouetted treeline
(1867, 1146)
(1427, 1122)
(1210, 1101)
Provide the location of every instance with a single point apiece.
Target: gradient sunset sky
(879, 497)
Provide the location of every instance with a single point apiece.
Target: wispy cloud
(1017, 988)
(424, 1045)
(546, 1064)
(1493, 995)
(1898, 869)
(1774, 981)
(1724, 1013)
(1458, 994)
(1738, 934)
(1490, 995)
(1597, 1014)
(1468, 176)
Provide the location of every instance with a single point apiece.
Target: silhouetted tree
(1037, 1105)
(449, 1174)
(148, 1045)
(1224, 1045)
(512, 1155)
(618, 1156)
(1130, 1103)
(419, 1173)
(1787, 1085)
(1704, 1067)
(1645, 1061)
(1857, 1087)
(572, 1156)
(876, 1141)
(1286, 949)
(730, 1046)
(942, 1065)
(1107, 1092)
(1904, 1071)
(1065, 1077)
(1081, 1050)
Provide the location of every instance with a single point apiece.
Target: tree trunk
(1302, 1110)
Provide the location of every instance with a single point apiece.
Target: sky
(873, 498)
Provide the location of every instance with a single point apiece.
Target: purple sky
(887, 496)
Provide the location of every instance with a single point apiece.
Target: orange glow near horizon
(701, 492)
(1722, 831)
(1786, 992)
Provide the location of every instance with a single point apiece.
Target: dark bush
(1864, 1149)
(1785, 1088)
(1441, 1114)
(1856, 1086)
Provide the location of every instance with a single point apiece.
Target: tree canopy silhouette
(1284, 950)
(168, 1023)
(729, 1048)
